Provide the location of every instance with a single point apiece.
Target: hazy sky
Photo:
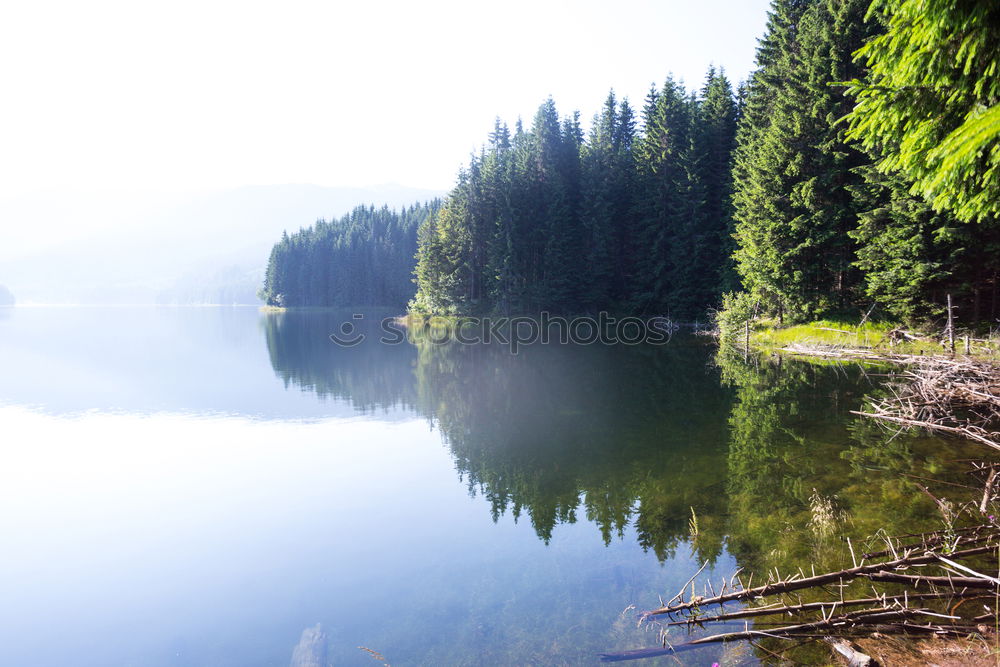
(179, 95)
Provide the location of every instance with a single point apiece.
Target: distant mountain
(209, 247)
(6, 297)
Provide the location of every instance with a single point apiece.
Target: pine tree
(715, 139)
(795, 170)
(663, 155)
(599, 174)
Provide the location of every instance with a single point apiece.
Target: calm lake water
(198, 486)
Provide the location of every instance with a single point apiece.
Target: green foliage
(738, 308)
(823, 227)
(913, 257)
(930, 103)
(823, 332)
(365, 258)
(794, 168)
(660, 211)
(607, 192)
(682, 206)
(625, 220)
(508, 236)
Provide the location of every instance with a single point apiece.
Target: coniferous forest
(858, 166)
(365, 258)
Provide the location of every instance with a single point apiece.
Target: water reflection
(184, 488)
(370, 376)
(622, 435)
(680, 443)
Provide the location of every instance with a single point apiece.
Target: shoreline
(879, 342)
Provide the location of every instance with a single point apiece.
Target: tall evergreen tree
(607, 188)
(665, 157)
(914, 257)
(794, 169)
(714, 139)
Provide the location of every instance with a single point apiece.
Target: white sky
(180, 96)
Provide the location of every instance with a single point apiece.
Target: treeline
(805, 195)
(633, 217)
(364, 258)
(858, 167)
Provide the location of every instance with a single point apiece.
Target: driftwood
(878, 617)
(969, 431)
(959, 537)
(891, 614)
(924, 580)
(823, 607)
(886, 614)
(643, 653)
(911, 565)
(799, 583)
(988, 490)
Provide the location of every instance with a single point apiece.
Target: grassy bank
(881, 337)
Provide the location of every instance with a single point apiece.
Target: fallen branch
(960, 431)
(865, 616)
(988, 491)
(922, 579)
(773, 588)
(814, 606)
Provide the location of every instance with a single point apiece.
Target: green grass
(872, 335)
(822, 332)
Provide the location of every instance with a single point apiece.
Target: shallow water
(198, 486)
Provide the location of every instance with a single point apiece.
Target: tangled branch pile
(928, 579)
(954, 396)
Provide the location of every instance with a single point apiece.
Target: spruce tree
(795, 170)
(715, 139)
(664, 154)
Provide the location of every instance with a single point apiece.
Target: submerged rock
(311, 649)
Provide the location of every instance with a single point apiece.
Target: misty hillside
(181, 249)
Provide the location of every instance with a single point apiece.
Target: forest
(856, 170)
(364, 258)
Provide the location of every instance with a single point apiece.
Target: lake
(201, 486)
